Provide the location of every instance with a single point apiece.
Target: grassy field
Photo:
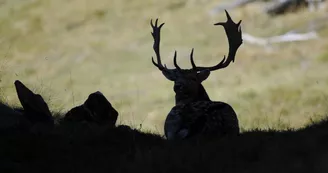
(67, 49)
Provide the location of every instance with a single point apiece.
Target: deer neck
(200, 96)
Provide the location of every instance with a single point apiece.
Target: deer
(194, 112)
(95, 116)
(96, 109)
(34, 116)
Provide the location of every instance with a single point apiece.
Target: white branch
(232, 5)
(288, 37)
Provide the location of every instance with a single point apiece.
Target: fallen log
(288, 37)
(276, 7)
(284, 6)
(235, 4)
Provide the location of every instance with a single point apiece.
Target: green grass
(67, 49)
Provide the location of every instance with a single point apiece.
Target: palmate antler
(233, 32)
(157, 38)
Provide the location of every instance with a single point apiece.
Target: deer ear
(101, 109)
(203, 75)
(169, 75)
(35, 108)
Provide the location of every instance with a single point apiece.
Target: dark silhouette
(12, 119)
(35, 115)
(123, 149)
(35, 108)
(95, 109)
(194, 112)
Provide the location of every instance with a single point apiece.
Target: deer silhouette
(96, 109)
(34, 117)
(194, 112)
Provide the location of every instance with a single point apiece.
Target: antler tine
(234, 34)
(156, 46)
(194, 67)
(175, 61)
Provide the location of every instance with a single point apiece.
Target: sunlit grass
(67, 49)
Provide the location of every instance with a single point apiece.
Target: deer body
(194, 112)
(201, 117)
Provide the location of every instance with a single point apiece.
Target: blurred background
(67, 49)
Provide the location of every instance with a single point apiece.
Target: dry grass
(67, 49)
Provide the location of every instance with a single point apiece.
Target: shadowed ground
(66, 50)
(74, 148)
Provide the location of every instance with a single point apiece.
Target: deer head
(95, 109)
(187, 82)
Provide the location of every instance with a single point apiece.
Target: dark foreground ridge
(81, 147)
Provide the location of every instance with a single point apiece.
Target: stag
(194, 112)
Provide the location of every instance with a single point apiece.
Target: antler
(234, 34)
(157, 38)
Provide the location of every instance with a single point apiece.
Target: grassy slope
(67, 49)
